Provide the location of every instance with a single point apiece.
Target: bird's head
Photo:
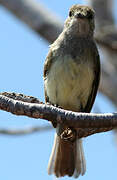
(80, 20)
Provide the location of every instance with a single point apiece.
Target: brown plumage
(71, 79)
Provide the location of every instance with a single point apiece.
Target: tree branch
(108, 83)
(106, 32)
(37, 17)
(25, 131)
(93, 123)
(104, 9)
(107, 37)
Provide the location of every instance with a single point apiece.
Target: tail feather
(64, 163)
(53, 156)
(80, 166)
(83, 170)
(67, 158)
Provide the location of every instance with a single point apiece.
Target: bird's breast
(68, 83)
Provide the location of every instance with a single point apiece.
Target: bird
(71, 80)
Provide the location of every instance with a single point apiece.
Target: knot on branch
(68, 135)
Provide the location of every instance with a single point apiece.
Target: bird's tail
(67, 158)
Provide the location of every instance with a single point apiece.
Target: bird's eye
(70, 13)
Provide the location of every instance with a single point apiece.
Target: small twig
(21, 97)
(25, 131)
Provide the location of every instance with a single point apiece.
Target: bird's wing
(95, 82)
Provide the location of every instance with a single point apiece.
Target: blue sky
(22, 57)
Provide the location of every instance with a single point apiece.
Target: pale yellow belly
(68, 84)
